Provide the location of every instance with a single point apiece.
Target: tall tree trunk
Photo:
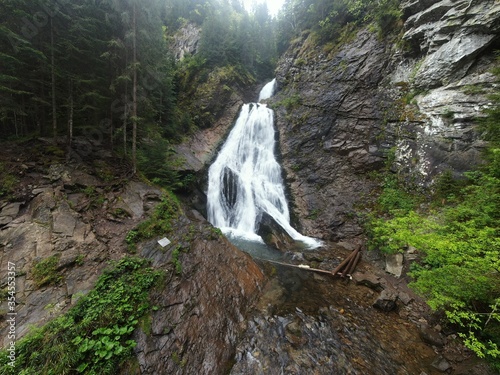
(15, 123)
(125, 113)
(70, 120)
(53, 76)
(134, 90)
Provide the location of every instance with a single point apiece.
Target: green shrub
(94, 336)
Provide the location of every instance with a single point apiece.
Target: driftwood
(346, 267)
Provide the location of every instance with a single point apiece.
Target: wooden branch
(346, 261)
(301, 266)
(355, 263)
(346, 267)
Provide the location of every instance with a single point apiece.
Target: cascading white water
(245, 179)
(268, 90)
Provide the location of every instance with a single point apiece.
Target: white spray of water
(245, 179)
(267, 91)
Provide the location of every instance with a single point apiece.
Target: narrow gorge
(181, 268)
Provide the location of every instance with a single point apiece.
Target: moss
(160, 222)
(45, 271)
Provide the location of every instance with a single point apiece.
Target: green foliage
(290, 102)
(175, 260)
(335, 21)
(153, 161)
(94, 336)
(459, 273)
(394, 199)
(160, 223)
(8, 182)
(446, 187)
(215, 233)
(230, 36)
(45, 271)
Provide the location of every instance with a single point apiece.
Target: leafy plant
(290, 102)
(459, 272)
(94, 336)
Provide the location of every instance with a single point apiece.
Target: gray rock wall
(340, 112)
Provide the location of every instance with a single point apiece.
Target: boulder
(394, 264)
(431, 336)
(273, 234)
(441, 364)
(200, 314)
(386, 301)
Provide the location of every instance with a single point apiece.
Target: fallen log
(355, 263)
(346, 267)
(346, 261)
(301, 266)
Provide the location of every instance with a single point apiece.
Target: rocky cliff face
(73, 218)
(339, 113)
(201, 314)
(346, 109)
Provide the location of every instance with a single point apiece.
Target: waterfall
(268, 90)
(245, 180)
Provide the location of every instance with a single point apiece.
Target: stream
(304, 323)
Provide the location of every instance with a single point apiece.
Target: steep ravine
(223, 313)
(339, 114)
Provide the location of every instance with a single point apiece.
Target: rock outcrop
(185, 41)
(79, 221)
(345, 110)
(202, 309)
(71, 220)
(330, 139)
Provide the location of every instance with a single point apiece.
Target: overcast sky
(272, 5)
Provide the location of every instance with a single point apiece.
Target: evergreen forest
(104, 70)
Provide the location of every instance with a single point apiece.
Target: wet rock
(200, 314)
(386, 301)
(348, 117)
(441, 364)
(273, 234)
